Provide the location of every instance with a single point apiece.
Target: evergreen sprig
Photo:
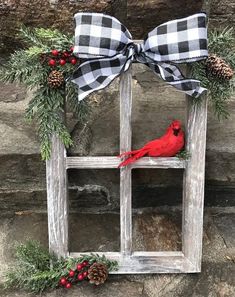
(27, 66)
(221, 43)
(36, 270)
(183, 155)
(92, 258)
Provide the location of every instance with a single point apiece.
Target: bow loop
(103, 37)
(179, 41)
(99, 35)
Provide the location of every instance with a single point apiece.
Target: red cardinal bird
(166, 146)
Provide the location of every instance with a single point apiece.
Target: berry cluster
(62, 57)
(77, 275)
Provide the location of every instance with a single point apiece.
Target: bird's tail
(129, 154)
(134, 155)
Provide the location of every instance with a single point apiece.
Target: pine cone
(218, 67)
(55, 79)
(97, 273)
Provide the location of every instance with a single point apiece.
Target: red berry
(72, 48)
(84, 263)
(80, 277)
(73, 61)
(85, 274)
(63, 281)
(71, 273)
(79, 267)
(52, 62)
(68, 286)
(66, 54)
(62, 62)
(55, 52)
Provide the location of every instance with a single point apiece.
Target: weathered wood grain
(139, 254)
(57, 204)
(125, 173)
(194, 179)
(189, 259)
(147, 262)
(113, 162)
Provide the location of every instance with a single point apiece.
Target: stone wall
(140, 16)
(22, 173)
(222, 13)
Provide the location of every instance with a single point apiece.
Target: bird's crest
(176, 125)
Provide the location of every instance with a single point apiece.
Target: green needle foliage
(222, 44)
(183, 155)
(36, 270)
(30, 67)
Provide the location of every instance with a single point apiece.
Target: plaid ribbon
(110, 50)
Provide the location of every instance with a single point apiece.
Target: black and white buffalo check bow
(110, 49)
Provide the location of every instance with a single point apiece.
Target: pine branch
(92, 258)
(221, 41)
(219, 91)
(23, 68)
(45, 39)
(183, 155)
(54, 38)
(30, 67)
(36, 270)
(29, 37)
(80, 108)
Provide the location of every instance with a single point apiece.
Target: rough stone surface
(22, 173)
(151, 114)
(41, 13)
(222, 13)
(143, 16)
(155, 229)
(17, 136)
(140, 16)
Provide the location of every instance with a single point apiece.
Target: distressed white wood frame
(186, 261)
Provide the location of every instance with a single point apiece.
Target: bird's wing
(159, 148)
(156, 143)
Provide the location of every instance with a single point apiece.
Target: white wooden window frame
(186, 261)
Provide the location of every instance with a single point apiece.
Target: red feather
(166, 146)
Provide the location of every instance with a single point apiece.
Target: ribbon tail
(97, 74)
(173, 76)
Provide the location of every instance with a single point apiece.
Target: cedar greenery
(221, 43)
(36, 270)
(28, 66)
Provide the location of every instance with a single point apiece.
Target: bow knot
(110, 50)
(138, 48)
(133, 51)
